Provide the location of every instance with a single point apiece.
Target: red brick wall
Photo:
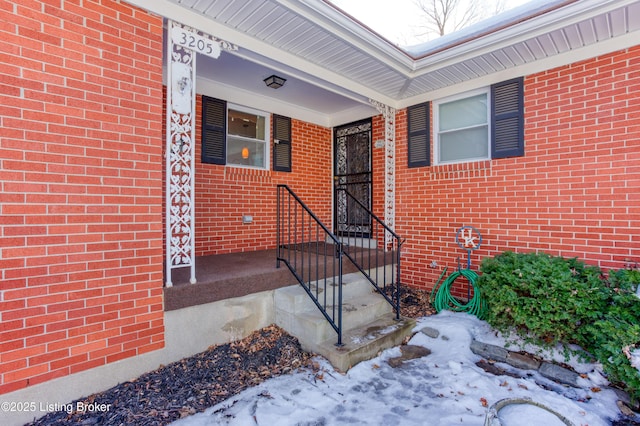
(576, 192)
(225, 193)
(80, 187)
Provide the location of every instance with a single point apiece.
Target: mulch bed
(415, 303)
(193, 384)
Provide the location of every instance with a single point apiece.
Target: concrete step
(368, 321)
(365, 342)
(311, 327)
(295, 299)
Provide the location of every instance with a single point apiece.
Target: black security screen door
(353, 174)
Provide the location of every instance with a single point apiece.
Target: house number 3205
(194, 41)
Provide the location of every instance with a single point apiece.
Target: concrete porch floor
(225, 276)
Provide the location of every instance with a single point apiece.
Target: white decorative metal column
(389, 115)
(183, 43)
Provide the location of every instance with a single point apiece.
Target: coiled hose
(444, 300)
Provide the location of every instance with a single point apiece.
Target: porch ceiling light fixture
(274, 81)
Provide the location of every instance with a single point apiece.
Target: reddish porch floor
(225, 276)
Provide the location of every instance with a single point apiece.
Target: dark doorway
(352, 173)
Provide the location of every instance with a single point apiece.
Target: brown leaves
(415, 303)
(186, 411)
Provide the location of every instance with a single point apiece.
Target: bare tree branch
(446, 16)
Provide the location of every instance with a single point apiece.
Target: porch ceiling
(334, 65)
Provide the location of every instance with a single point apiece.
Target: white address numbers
(194, 41)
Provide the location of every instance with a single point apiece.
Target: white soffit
(312, 42)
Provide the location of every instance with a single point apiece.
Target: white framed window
(478, 125)
(247, 137)
(462, 127)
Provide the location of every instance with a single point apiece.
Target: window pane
(463, 113)
(245, 152)
(246, 124)
(464, 144)
(247, 137)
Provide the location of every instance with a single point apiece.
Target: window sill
(461, 170)
(247, 174)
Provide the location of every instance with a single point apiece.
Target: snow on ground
(443, 388)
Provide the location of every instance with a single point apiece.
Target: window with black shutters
(236, 135)
(485, 123)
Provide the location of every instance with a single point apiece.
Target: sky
(443, 388)
(399, 21)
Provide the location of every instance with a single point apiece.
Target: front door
(352, 177)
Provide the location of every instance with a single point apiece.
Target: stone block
(488, 351)
(559, 374)
(524, 362)
(409, 352)
(431, 332)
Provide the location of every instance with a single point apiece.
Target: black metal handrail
(370, 231)
(302, 240)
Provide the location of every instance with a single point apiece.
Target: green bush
(542, 297)
(611, 338)
(555, 300)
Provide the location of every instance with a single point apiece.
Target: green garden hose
(444, 300)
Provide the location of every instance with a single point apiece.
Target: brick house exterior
(82, 192)
(575, 192)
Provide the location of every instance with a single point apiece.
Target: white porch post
(389, 115)
(180, 152)
(182, 44)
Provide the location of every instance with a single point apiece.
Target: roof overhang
(334, 65)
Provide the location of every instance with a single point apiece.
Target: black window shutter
(507, 123)
(282, 143)
(419, 134)
(214, 131)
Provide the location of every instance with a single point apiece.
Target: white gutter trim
(566, 58)
(534, 27)
(353, 32)
(372, 44)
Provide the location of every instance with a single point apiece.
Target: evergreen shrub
(552, 300)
